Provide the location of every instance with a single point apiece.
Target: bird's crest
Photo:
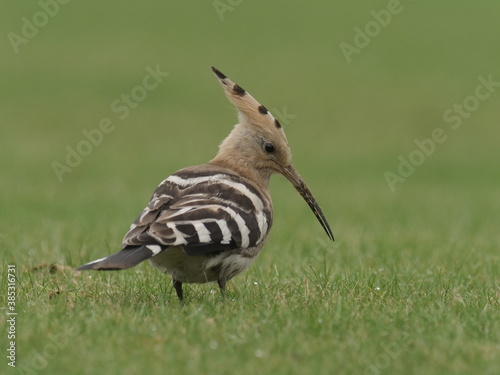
(250, 111)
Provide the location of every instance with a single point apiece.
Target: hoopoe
(209, 222)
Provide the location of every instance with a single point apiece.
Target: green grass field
(411, 284)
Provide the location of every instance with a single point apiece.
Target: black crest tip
(218, 73)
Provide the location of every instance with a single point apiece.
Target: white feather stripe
(144, 213)
(242, 227)
(156, 249)
(192, 202)
(179, 236)
(262, 223)
(164, 196)
(95, 261)
(226, 233)
(196, 195)
(194, 180)
(156, 202)
(203, 233)
(178, 212)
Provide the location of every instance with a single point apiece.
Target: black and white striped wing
(203, 210)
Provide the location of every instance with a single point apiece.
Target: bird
(209, 223)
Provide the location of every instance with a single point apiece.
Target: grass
(411, 284)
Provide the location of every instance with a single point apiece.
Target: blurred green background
(348, 122)
(352, 120)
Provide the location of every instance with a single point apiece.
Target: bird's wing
(203, 209)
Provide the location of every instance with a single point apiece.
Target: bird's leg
(178, 288)
(222, 287)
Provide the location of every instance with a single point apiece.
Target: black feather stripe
(253, 227)
(235, 232)
(198, 214)
(204, 249)
(189, 231)
(214, 229)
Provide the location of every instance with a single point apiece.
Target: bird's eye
(269, 147)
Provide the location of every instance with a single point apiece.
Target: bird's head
(257, 146)
(258, 141)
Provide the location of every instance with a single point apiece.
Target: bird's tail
(126, 258)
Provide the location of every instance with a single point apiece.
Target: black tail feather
(126, 258)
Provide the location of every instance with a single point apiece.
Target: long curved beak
(293, 176)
